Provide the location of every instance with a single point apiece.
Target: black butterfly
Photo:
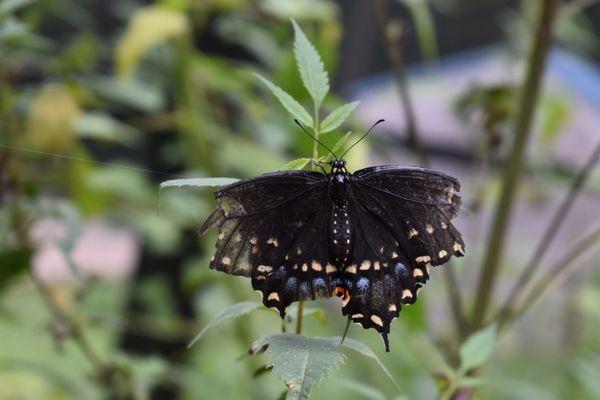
(367, 237)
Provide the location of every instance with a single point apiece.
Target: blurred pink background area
(101, 250)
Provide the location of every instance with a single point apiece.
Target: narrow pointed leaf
(312, 70)
(363, 349)
(477, 349)
(295, 164)
(288, 102)
(300, 362)
(338, 116)
(198, 182)
(234, 311)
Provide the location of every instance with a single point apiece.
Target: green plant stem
(574, 258)
(76, 331)
(456, 304)
(299, 316)
(544, 244)
(514, 166)
(393, 35)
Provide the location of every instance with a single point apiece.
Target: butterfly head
(338, 166)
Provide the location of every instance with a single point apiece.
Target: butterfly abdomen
(341, 222)
(341, 235)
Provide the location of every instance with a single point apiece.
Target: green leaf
(310, 66)
(363, 390)
(338, 116)
(425, 27)
(10, 6)
(234, 311)
(141, 95)
(363, 349)
(296, 164)
(477, 349)
(198, 182)
(148, 27)
(289, 103)
(300, 362)
(100, 126)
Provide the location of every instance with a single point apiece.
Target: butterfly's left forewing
(273, 229)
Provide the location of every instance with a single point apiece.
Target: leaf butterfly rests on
(368, 237)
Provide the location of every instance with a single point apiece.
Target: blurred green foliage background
(100, 294)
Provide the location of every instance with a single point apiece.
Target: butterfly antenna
(315, 139)
(363, 136)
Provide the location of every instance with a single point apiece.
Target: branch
(75, 330)
(456, 303)
(555, 224)
(512, 173)
(394, 35)
(575, 258)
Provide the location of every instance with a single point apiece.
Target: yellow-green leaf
(147, 28)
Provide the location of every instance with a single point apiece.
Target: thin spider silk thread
(55, 155)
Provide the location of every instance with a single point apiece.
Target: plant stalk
(574, 258)
(394, 35)
(555, 224)
(514, 166)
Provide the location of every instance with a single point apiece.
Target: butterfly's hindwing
(380, 278)
(274, 229)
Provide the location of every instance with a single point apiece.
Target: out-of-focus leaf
(80, 55)
(578, 33)
(251, 36)
(15, 32)
(247, 157)
(10, 6)
(423, 20)
(13, 262)
(363, 349)
(337, 117)
(363, 390)
(235, 311)
(299, 9)
(147, 372)
(300, 163)
(316, 312)
(141, 96)
(198, 182)
(555, 111)
(101, 126)
(312, 70)
(52, 114)
(289, 103)
(148, 27)
(60, 381)
(299, 361)
(587, 371)
(477, 349)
